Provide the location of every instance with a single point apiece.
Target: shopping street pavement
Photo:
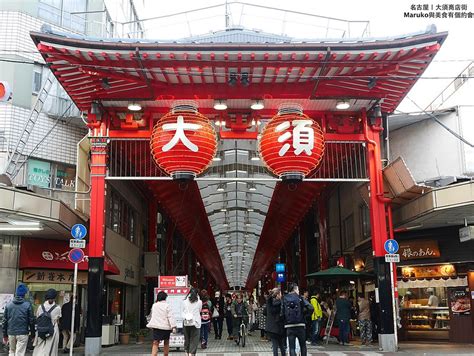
(255, 347)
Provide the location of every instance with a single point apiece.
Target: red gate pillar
(378, 225)
(96, 241)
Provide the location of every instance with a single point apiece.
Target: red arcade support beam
(378, 225)
(96, 240)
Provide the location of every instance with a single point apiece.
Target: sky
(385, 19)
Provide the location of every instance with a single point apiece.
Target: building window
(364, 221)
(348, 231)
(37, 79)
(121, 217)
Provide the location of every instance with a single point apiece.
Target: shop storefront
(44, 264)
(433, 285)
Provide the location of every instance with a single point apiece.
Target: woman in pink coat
(162, 322)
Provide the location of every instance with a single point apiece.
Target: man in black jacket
(294, 309)
(274, 322)
(18, 322)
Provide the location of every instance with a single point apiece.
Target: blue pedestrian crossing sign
(391, 246)
(78, 231)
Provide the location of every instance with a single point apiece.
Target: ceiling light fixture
(254, 156)
(251, 187)
(343, 104)
(134, 106)
(221, 187)
(220, 104)
(25, 227)
(257, 105)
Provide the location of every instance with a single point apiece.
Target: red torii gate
(102, 76)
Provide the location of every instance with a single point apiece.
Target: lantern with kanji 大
(183, 142)
(292, 144)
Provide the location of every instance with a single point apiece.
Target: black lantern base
(292, 177)
(183, 176)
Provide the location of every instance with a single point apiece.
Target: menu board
(459, 302)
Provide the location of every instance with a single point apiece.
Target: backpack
(294, 310)
(205, 312)
(44, 323)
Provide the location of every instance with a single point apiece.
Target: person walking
(343, 316)
(191, 312)
(206, 316)
(316, 317)
(252, 310)
(18, 322)
(365, 323)
(65, 325)
(293, 309)
(274, 326)
(162, 322)
(47, 321)
(218, 315)
(228, 316)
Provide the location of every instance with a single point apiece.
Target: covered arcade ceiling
(243, 211)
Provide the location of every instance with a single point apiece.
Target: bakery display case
(425, 322)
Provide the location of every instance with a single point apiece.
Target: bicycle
(242, 332)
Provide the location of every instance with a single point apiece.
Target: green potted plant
(141, 335)
(129, 327)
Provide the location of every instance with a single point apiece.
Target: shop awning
(53, 254)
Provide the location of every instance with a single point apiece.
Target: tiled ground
(255, 347)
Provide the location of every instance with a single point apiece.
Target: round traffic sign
(78, 231)
(391, 246)
(76, 255)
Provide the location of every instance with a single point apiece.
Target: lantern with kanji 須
(183, 142)
(292, 144)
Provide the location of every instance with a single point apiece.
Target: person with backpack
(293, 311)
(316, 318)
(191, 312)
(47, 329)
(18, 322)
(206, 316)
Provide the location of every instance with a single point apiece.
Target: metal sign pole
(74, 290)
(392, 282)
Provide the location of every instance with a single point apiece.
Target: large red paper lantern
(292, 144)
(183, 142)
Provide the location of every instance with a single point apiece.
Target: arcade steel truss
(130, 159)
